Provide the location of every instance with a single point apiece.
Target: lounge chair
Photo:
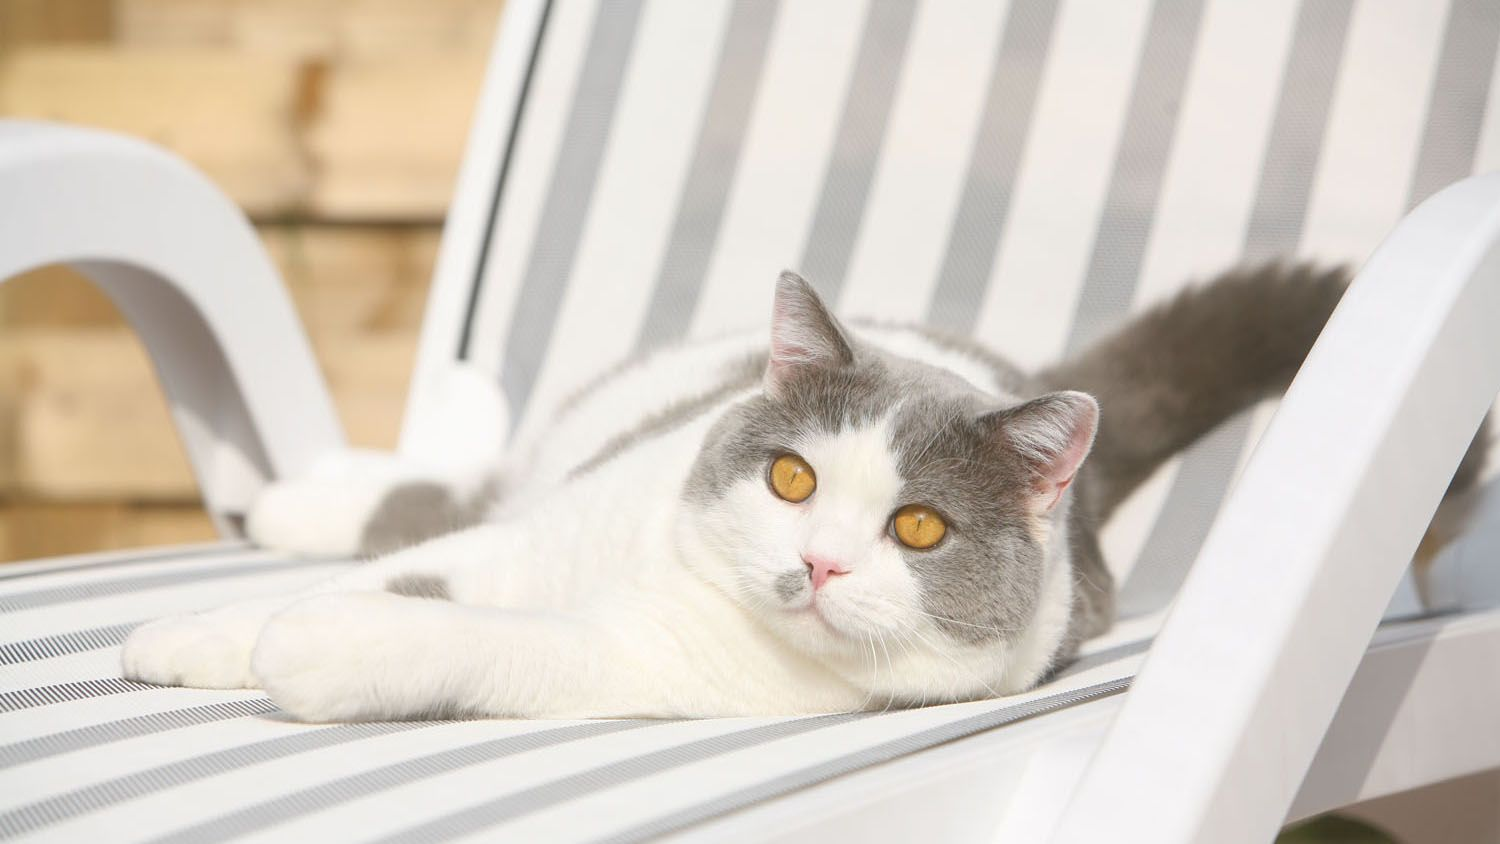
(1028, 172)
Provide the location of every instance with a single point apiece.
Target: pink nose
(821, 568)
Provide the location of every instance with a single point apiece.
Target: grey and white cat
(850, 517)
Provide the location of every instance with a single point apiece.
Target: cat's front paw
(342, 657)
(188, 650)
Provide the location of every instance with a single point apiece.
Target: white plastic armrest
(187, 270)
(1219, 729)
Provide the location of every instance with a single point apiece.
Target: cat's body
(717, 530)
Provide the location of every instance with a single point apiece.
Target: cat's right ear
(804, 335)
(1053, 433)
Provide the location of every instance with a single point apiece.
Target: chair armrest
(187, 270)
(1223, 721)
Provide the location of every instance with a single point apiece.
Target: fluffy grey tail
(1175, 372)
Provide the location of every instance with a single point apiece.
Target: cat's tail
(1176, 371)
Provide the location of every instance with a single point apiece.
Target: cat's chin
(811, 614)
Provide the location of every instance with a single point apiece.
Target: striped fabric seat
(1028, 172)
(85, 755)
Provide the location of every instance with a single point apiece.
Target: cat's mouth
(814, 610)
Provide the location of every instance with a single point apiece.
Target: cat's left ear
(804, 335)
(1053, 433)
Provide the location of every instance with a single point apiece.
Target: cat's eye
(792, 479)
(918, 526)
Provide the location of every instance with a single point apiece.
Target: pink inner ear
(1057, 472)
(803, 333)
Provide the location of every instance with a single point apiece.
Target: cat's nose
(821, 568)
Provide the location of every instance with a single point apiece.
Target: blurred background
(336, 124)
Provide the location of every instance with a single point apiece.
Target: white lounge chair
(1028, 172)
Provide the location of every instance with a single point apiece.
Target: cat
(849, 517)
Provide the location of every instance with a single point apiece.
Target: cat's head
(888, 518)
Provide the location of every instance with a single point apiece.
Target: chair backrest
(1028, 172)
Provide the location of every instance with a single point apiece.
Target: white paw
(189, 650)
(342, 657)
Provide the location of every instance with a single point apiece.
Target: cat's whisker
(956, 664)
(865, 704)
(991, 628)
(889, 699)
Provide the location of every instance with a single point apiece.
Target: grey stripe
(96, 735)
(857, 144)
(993, 162)
(1104, 656)
(72, 804)
(700, 209)
(261, 816)
(1460, 93)
(517, 804)
(1296, 140)
(861, 759)
(62, 644)
(1274, 230)
(569, 195)
(171, 576)
(66, 692)
(130, 559)
(1140, 163)
(1186, 515)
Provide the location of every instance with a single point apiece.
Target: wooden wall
(336, 124)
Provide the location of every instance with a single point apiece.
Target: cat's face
(866, 507)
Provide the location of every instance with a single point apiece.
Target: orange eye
(792, 479)
(918, 526)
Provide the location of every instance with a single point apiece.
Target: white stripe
(126, 568)
(625, 806)
(151, 603)
(437, 797)
(1379, 111)
(440, 795)
(641, 800)
(786, 147)
(1207, 193)
(61, 774)
(89, 665)
(624, 236)
(920, 178)
(55, 718)
(1063, 178)
(10, 572)
(1210, 183)
(207, 798)
(537, 146)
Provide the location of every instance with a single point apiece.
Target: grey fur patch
(412, 513)
(1175, 372)
(983, 581)
(419, 586)
(1007, 375)
(790, 584)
